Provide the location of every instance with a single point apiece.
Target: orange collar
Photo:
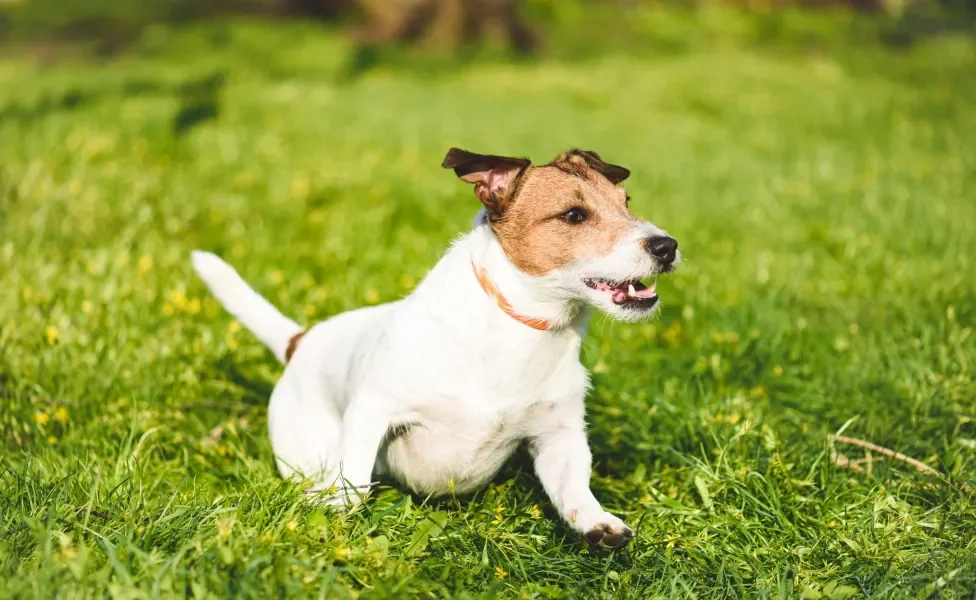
(492, 291)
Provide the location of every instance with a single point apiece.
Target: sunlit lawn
(826, 208)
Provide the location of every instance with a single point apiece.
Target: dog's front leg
(563, 463)
(365, 423)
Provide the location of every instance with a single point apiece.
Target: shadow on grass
(199, 99)
(518, 471)
(199, 102)
(251, 391)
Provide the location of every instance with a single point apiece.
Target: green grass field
(826, 207)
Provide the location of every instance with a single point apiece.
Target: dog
(439, 388)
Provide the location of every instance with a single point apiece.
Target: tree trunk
(450, 23)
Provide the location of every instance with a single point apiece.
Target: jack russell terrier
(439, 389)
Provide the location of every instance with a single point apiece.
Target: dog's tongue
(634, 290)
(644, 291)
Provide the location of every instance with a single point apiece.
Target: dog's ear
(494, 177)
(615, 173)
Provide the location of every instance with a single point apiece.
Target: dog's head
(569, 222)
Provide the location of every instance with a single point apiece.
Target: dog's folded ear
(494, 177)
(615, 173)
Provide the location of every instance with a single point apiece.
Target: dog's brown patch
(582, 161)
(572, 167)
(538, 241)
(293, 344)
(525, 205)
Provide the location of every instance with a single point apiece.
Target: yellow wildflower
(178, 298)
(300, 187)
(499, 519)
(41, 418)
(224, 527)
(61, 415)
(51, 334)
(672, 334)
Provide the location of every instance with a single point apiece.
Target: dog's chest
(458, 450)
(471, 412)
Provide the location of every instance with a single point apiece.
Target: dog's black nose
(662, 248)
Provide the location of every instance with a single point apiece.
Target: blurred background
(514, 27)
(815, 159)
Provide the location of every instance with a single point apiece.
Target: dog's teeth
(630, 290)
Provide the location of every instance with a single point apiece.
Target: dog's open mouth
(626, 293)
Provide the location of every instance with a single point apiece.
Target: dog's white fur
(438, 389)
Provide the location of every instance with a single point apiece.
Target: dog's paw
(603, 530)
(605, 535)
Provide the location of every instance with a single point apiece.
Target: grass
(825, 205)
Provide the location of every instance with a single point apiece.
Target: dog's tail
(274, 329)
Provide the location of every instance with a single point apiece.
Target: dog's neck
(539, 299)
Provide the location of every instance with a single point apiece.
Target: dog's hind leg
(305, 426)
(367, 420)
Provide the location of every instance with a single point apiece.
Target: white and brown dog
(439, 388)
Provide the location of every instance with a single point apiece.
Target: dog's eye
(574, 215)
